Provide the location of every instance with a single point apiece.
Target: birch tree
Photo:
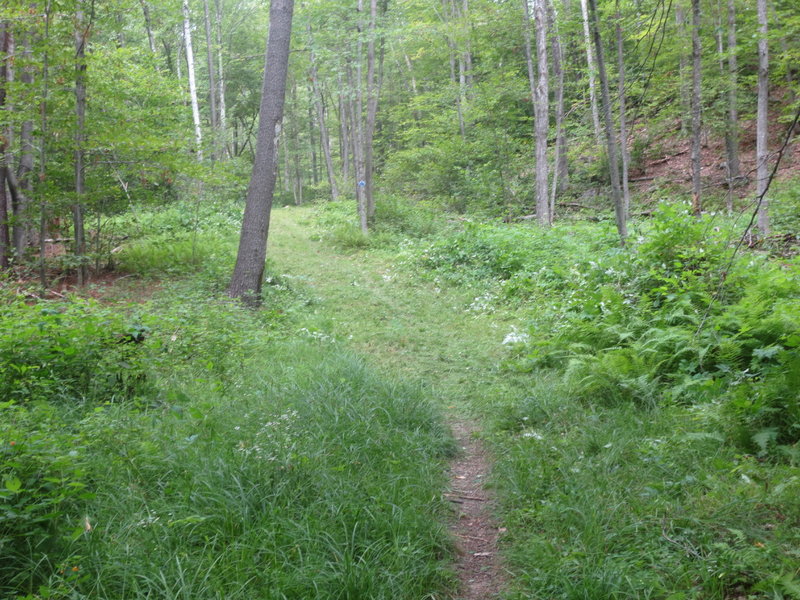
(187, 39)
(248, 273)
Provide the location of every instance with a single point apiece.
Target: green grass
(634, 458)
(251, 465)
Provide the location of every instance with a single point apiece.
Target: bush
(70, 351)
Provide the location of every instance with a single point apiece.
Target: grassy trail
(408, 326)
(426, 334)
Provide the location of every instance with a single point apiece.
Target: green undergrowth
(188, 448)
(395, 221)
(655, 451)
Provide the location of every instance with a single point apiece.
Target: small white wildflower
(533, 434)
(516, 337)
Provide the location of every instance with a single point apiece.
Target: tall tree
(248, 273)
(5, 57)
(732, 126)
(542, 114)
(323, 128)
(212, 81)
(187, 40)
(81, 36)
(560, 169)
(623, 126)
(697, 122)
(611, 144)
(762, 151)
(591, 69)
(24, 183)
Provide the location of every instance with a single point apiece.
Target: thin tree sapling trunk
(697, 122)
(541, 107)
(732, 128)
(611, 144)
(762, 150)
(591, 70)
(623, 126)
(212, 81)
(81, 36)
(323, 128)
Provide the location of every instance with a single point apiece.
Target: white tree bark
(187, 38)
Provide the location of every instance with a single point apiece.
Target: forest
(400, 299)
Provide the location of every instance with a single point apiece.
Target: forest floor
(423, 333)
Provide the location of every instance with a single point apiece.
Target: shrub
(70, 351)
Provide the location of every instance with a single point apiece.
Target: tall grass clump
(245, 467)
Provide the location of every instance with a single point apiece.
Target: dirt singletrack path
(423, 333)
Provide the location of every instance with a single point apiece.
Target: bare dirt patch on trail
(480, 573)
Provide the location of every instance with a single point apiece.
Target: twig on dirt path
(475, 498)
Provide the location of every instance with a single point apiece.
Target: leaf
(765, 437)
(13, 485)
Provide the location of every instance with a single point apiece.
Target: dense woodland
(573, 223)
(499, 107)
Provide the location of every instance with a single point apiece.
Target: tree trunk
(344, 136)
(680, 21)
(81, 35)
(542, 114)
(623, 127)
(187, 38)
(762, 151)
(248, 273)
(454, 79)
(293, 131)
(43, 144)
(148, 26)
(697, 123)
(22, 216)
(611, 144)
(212, 81)
(373, 90)
(560, 171)
(5, 238)
(591, 72)
(359, 134)
(732, 128)
(323, 129)
(223, 111)
(312, 136)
